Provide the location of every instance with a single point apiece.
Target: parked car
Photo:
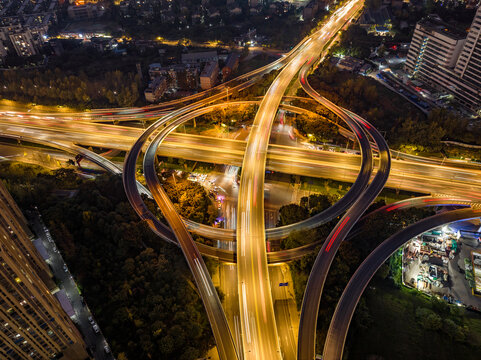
(96, 329)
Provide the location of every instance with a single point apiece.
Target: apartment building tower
(33, 324)
(448, 59)
(468, 66)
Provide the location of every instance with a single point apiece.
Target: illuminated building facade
(447, 59)
(33, 325)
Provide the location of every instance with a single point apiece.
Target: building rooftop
(232, 59)
(434, 22)
(198, 56)
(176, 67)
(209, 69)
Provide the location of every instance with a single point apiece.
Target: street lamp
(225, 126)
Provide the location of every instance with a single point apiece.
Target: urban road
(411, 175)
(95, 342)
(257, 321)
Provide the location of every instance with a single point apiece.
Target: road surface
(259, 331)
(318, 275)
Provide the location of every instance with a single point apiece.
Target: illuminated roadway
(419, 176)
(225, 255)
(129, 114)
(228, 256)
(225, 342)
(315, 283)
(346, 307)
(336, 336)
(283, 231)
(426, 201)
(422, 177)
(58, 120)
(407, 175)
(215, 313)
(259, 331)
(260, 338)
(278, 232)
(222, 334)
(207, 291)
(154, 185)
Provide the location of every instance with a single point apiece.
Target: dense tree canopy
(138, 287)
(56, 87)
(191, 200)
(308, 206)
(320, 130)
(405, 127)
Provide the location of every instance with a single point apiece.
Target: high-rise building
(445, 58)
(468, 66)
(33, 324)
(24, 25)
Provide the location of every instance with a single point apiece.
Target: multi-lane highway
(318, 275)
(216, 316)
(157, 110)
(208, 293)
(259, 332)
(226, 255)
(225, 342)
(282, 314)
(254, 327)
(418, 176)
(211, 301)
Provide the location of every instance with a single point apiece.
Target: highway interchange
(256, 324)
(315, 284)
(259, 332)
(405, 174)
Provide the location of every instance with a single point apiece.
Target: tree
(67, 87)
(299, 238)
(432, 322)
(145, 291)
(289, 214)
(373, 4)
(191, 200)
